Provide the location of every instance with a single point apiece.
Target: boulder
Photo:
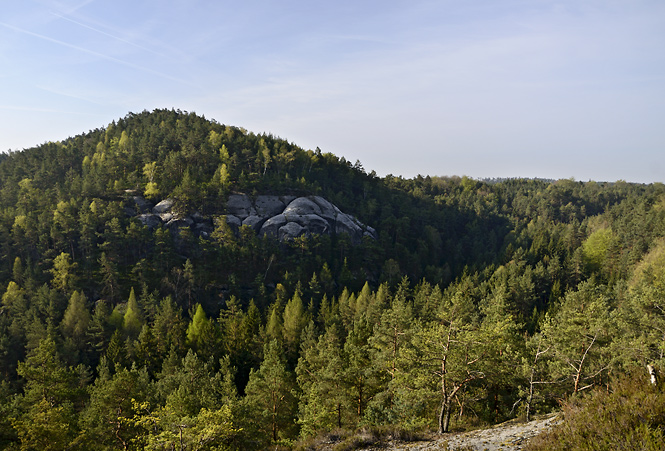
(142, 205)
(233, 221)
(350, 225)
(272, 225)
(204, 229)
(198, 217)
(150, 220)
(313, 224)
(254, 222)
(164, 206)
(287, 199)
(179, 223)
(282, 217)
(302, 206)
(329, 212)
(240, 205)
(290, 230)
(268, 206)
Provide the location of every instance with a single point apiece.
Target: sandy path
(508, 436)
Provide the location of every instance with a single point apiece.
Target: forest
(476, 302)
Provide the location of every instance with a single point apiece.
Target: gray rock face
(282, 217)
(272, 225)
(179, 223)
(240, 206)
(150, 220)
(302, 206)
(142, 205)
(287, 217)
(267, 206)
(233, 221)
(164, 206)
(253, 221)
(290, 230)
(348, 224)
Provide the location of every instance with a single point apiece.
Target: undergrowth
(348, 440)
(631, 416)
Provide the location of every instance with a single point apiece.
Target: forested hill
(474, 301)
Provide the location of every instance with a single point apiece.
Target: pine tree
(269, 396)
(579, 334)
(75, 324)
(323, 403)
(196, 327)
(388, 339)
(294, 321)
(106, 420)
(361, 376)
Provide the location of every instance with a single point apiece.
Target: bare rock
(254, 222)
(268, 206)
(142, 205)
(203, 228)
(272, 225)
(198, 217)
(164, 206)
(233, 221)
(177, 223)
(290, 230)
(329, 212)
(350, 225)
(302, 206)
(314, 224)
(150, 220)
(240, 205)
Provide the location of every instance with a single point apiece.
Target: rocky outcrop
(288, 217)
(282, 217)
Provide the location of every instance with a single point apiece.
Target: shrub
(629, 417)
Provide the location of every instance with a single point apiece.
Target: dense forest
(476, 301)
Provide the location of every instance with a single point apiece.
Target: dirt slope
(509, 436)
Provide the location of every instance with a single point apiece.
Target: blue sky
(496, 88)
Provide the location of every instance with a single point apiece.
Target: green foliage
(270, 397)
(578, 334)
(527, 291)
(630, 417)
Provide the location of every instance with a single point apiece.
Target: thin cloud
(41, 110)
(104, 33)
(97, 54)
(68, 94)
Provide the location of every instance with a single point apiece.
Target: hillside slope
(442, 302)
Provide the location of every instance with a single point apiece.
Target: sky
(482, 88)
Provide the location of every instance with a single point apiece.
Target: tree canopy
(477, 301)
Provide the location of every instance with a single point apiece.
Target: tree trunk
(274, 424)
(444, 416)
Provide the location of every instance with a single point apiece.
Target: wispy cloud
(41, 110)
(104, 33)
(97, 54)
(60, 92)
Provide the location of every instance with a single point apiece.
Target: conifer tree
(294, 321)
(388, 340)
(196, 327)
(579, 336)
(269, 397)
(132, 320)
(323, 402)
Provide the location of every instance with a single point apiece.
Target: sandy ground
(508, 436)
